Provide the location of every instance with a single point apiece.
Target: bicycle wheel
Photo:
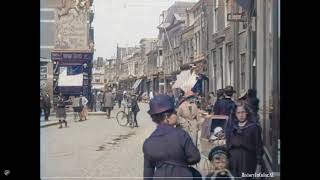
(122, 118)
(130, 116)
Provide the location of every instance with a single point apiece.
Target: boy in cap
(219, 158)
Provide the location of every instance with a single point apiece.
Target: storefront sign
(67, 56)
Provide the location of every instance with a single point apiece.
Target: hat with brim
(243, 93)
(160, 104)
(229, 89)
(218, 150)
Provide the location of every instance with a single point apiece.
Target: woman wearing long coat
(189, 118)
(244, 142)
(168, 151)
(108, 102)
(61, 111)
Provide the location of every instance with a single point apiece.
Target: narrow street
(98, 147)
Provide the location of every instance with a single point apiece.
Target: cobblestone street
(98, 147)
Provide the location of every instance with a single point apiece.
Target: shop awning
(185, 80)
(97, 86)
(136, 84)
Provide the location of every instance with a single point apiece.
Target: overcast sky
(125, 22)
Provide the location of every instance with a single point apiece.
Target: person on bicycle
(135, 108)
(119, 98)
(168, 151)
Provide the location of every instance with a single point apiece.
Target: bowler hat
(220, 92)
(229, 89)
(160, 104)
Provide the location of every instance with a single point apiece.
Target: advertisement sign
(43, 72)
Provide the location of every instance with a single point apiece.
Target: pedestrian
(243, 96)
(46, 106)
(244, 143)
(188, 118)
(76, 107)
(99, 101)
(93, 102)
(83, 105)
(61, 111)
(253, 102)
(135, 109)
(119, 98)
(220, 94)
(41, 105)
(150, 95)
(225, 106)
(250, 98)
(108, 102)
(169, 151)
(219, 159)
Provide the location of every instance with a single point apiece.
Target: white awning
(97, 86)
(136, 84)
(72, 80)
(185, 80)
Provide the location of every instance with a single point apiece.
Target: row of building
(231, 42)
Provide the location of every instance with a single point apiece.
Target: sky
(125, 22)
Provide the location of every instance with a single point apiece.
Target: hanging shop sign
(237, 17)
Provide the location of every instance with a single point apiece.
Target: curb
(49, 124)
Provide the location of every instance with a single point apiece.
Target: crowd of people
(172, 149)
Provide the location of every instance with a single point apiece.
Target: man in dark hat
(135, 108)
(47, 106)
(225, 105)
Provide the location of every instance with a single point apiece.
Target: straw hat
(243, 93)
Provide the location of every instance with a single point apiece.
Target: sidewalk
(54, 121)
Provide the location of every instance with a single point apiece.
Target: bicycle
(124, 118)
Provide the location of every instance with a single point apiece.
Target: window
(191, 44)
(230, 61)
(242, 70)
(221, 66)
(215, 17)
(160, 52)
(214, 72)
(136, 68)
(227, 11)
(242, 25)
